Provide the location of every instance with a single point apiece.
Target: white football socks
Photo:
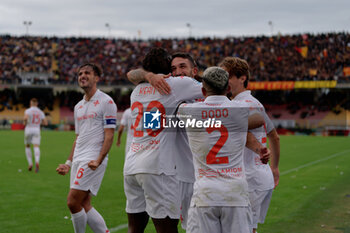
(29, 156)
(37, 154)
(79, 221)
(96, 221)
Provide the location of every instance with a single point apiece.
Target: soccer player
(261, 178)
(95, 122)
(182, 64)
(150, 182)
(125, 123)
(33, 118)
(220, 196)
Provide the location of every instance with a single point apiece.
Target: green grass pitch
(313, 195)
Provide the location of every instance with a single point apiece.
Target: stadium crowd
(278, 58)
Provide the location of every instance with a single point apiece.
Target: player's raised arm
(187, 88)
(156, 80)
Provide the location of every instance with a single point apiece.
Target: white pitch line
(314, 162)
(123, 226)
(117, 228)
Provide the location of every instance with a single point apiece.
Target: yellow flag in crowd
(303, 52)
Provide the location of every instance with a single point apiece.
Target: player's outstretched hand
(62, 169)
(265, 154)
(93, 164)
(159, 83)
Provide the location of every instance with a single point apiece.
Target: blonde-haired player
(261, 178)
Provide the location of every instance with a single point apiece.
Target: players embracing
(184, 66)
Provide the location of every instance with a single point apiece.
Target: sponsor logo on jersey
(151, 120)
(96, 103)
(88, 116)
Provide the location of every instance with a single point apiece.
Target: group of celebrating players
(215, 179)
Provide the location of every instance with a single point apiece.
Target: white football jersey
(259, 175)
(184, 161)
(217, 150)
(35, 117)
(127, 122)
(91, 118)
(154, 151)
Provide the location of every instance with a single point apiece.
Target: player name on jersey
(147, 91)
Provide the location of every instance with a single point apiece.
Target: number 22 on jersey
(150, 106)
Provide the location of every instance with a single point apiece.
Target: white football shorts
(186, 191)
(219, 219)
(260, 201)
(158, 195)
(83, 178)
(32, 137)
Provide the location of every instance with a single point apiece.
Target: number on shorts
(211, 156)
(80, 173)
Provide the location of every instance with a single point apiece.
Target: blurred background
(299, 54)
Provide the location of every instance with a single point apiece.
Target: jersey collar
(94, 97)
(242, 95)
(216, 99)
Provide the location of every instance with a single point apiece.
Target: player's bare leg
(137, 222)
(165, 225)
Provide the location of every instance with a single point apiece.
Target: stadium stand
(279, 58)
(303, 80)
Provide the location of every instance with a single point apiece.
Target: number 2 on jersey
(150, 106)
(211, 156)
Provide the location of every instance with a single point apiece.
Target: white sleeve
(254, 108)
(181, 111)
(124, 120)
(109, 114)
(76, 121)
(268, 123)
(42, 115)
(185, 88)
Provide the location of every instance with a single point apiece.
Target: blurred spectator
(294, 57)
